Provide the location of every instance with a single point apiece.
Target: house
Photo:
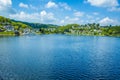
(2, 30)
(26, 31)
(9, 28)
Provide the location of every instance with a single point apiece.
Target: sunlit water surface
(59, 57)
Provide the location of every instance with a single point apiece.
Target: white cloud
(33, 7)
(79, 14)
(67, 17)
(103, 3)
(22, 5)
(47, 17)
(111, 5)
(6, 7)
(68, 20)
(108, 21)
(62, 21)
(114, 9)
(22, 16)
(42, 17)
(4, 3)
(73, 20)
(51, 4)
(65, 6)
(30, 6)
(43, 13)
(89, 16)
(96, 13)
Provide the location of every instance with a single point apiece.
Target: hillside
(37, 25)
(9, 27)
(13, 27)
(87, 29)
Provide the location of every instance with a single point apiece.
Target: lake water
(59, 57)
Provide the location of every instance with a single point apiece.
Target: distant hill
(37, 25)
(9, 27)
(13, 27)
(6, 21)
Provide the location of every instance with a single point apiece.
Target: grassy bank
(10, 33)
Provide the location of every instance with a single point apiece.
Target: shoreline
(59, 34)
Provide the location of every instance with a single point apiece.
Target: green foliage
(37, 25)
(6, 21)
(18, 26)
(87, 29)
(7, 33)
(76, 29)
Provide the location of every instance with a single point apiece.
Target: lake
(59, 57)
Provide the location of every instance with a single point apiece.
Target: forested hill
(6, 21)
(13, 27)
(37, 25)
(10, 27)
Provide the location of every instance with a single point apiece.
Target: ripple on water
(59, 57)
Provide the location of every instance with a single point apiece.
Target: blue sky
(62, 12)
